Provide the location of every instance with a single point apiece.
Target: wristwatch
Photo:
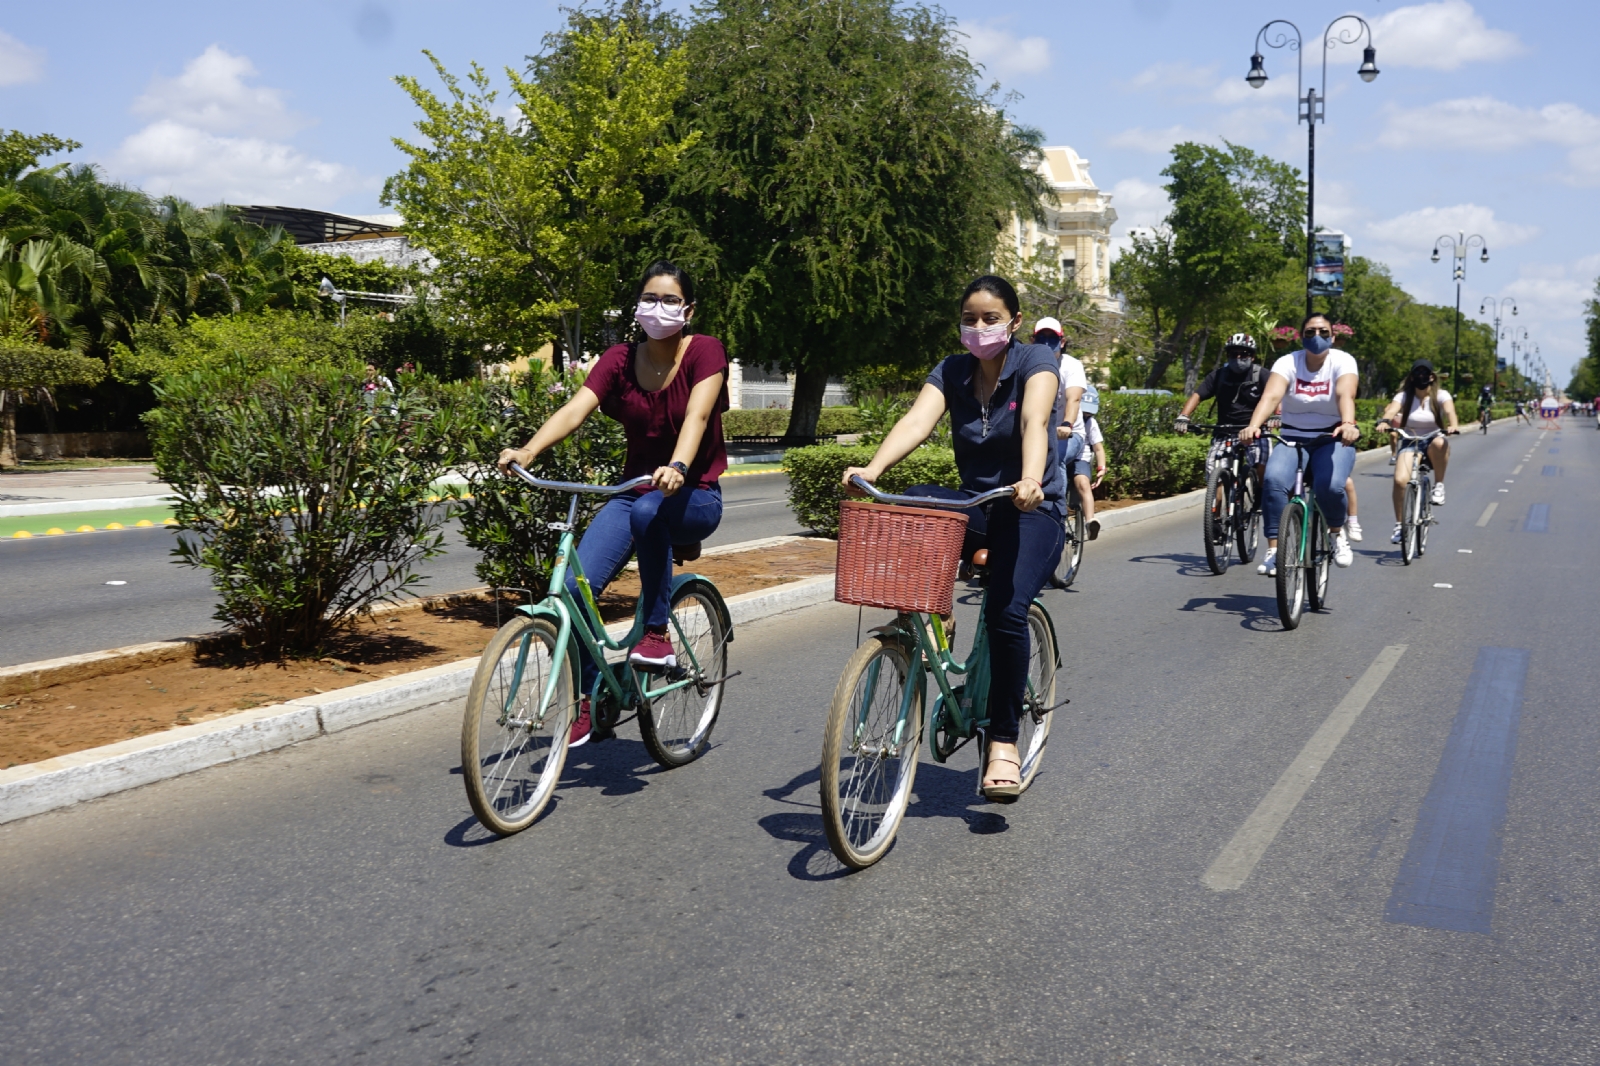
(679, 467)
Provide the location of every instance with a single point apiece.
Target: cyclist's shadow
(619, 766)
(1256, 613)
(940, 792)
(1187, 565)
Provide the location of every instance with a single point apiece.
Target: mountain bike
(1305, 543)
(1077, 535)
(1232, 515)
(1416, 506)
(520, 708)
(1485, 415)
(875, 723)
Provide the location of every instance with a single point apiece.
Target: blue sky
(1486, 116)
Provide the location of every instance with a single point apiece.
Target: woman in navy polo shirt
(1001, 395)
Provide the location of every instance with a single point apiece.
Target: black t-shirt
(1237, 394)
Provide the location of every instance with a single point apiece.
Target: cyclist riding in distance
(1237, 385)
(1415, 409)
(1089, 469)
(1485, 402)
(669, 393)
(1317, 389)
(1001, 396)
(1069, 393)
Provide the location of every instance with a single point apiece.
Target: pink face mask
(986, 343)
(661, 321)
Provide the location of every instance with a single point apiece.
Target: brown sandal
(1006, 792)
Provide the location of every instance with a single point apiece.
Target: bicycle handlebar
(1001, 493)
(569, 486)
(1403, 435)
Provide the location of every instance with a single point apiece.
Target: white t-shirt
(1309, 403)
(1424, 419)
(1071, 374)
(1093, 437)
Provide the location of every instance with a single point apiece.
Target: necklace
(983, 406)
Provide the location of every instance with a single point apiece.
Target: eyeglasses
(650, 299)
(1319, 332)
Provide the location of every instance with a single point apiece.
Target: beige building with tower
(1077, 227)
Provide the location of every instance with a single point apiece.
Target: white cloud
(1179, 75)
(1410, 237)
(1156, 142)
(19, 64)
(1139, 203)
(1482, 123)
(1002, 51)
(1440, 36)
(216, 138)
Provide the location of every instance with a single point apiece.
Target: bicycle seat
(685, 553)
(980, 557)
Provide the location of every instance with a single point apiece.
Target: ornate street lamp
(1312, 101)
(1498, 310)
(1460, 245)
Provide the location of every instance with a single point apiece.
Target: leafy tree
(851, 180)
(1045, 289)
(526, 218)
(1585, 383)
(28, 373)
(21, 152)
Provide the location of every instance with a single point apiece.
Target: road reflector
(116, 582)
(169, 521)
(144, 523)
(1442, 585)
(114, 525)
(54, 531)
(21, 534)
(84, 529)
(1463, 551)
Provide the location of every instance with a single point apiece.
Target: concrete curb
(115, 503)
(104, 771)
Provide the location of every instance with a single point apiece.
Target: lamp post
(1520, 344)
(1312, 101)
(1498, 310)
(1459, 246)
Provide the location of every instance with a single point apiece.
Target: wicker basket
(902, 558)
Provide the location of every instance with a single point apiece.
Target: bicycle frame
(1300, 495)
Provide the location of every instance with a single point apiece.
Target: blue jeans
(1327, 470)
(648, 526)
(1023, 550)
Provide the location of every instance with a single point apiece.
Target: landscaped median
(92, 725)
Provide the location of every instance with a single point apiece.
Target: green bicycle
(520, 708)
(875, 724)
(1305, 544)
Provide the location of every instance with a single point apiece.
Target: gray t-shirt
(989, 450)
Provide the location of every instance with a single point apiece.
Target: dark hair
(1308, 319)
(995, 286)
(665, 268)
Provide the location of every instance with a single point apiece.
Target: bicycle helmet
(1242, 340)
(1091, 401)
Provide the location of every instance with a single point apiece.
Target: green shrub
(774, 422)
(814, 478)
(307, 504)
(506, 519)
(1165, 465)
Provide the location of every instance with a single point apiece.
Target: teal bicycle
(875, 724)
(1305, 544)
(522, 702)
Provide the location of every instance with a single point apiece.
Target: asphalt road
(55, 600)
(336, 902)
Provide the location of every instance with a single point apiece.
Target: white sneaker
(1269, 563)
(1342, 555)
(1438, 495)
(1393, 459)
(1352, 526)
(1399, 529)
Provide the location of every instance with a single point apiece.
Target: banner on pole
(1327, 264)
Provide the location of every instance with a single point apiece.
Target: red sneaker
(654, 650)
(581, 726)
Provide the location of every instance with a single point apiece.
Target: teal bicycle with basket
(902, 552)
(522, 702)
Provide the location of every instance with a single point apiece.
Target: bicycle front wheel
(1410, 515)
(1291, 567)
(869, 754)
(1424, 515)
(676, 727)
(1071, 549)
(513, 743)
(1033, 728)
(1214, 522)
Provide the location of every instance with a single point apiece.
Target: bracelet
(679, 467)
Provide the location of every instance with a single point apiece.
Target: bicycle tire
(676, 728)
(1071, 560)
(1247, 518)
(860, 833)
(1033, 733)
(1291, 569)
(512, 767)
(1214, 523)
(1320, 565)
(1408, 521)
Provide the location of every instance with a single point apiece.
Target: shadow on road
(940, 793)
(1187, 565)
(1256, 613)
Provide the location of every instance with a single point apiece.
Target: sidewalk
(69, 491)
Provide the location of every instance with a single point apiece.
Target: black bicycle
(1416, 507)
(1231, 518)
(1077, 536)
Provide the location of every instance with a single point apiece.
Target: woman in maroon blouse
(669, 393)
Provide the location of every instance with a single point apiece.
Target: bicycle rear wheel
(1033, 729)
(676, 727)
(1247, 518)
(1410, 513)
(1072, 546)
(1424, 514)
(1214, 517)
(1291, 567)
(513, 745)
(1321, 562)
(869, 753)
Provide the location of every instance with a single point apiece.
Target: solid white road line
(1235, 862)
(1488, 513)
